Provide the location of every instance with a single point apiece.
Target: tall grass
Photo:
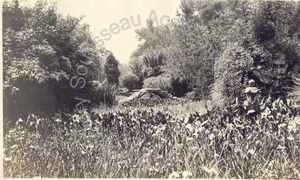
(144, 143)
(105, 95)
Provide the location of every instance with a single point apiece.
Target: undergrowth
(146, 143)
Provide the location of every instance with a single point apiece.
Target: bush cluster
(179, 86)
(48, 61)
(161, 82)
(130, 81)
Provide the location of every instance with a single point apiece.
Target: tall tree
(111, 70)
(261, 44)
(149, 55)
(48, 61)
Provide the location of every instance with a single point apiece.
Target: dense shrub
(136, 66)
(162, 82)
(262, 45)
(129, 81)
(179, 86)
(152, 64)
(48, 61)
(231, 75)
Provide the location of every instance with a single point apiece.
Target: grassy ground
(180, 107)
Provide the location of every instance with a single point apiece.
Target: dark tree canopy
(130, 81)
(111, 70)
(48, 61)
(218, 46)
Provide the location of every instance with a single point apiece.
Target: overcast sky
(100, 14)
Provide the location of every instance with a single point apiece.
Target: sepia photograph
(205, 89)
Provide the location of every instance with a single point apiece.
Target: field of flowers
(152, 142)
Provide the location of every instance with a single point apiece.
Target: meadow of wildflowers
(151, 142)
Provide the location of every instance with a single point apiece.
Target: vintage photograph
(151, 89)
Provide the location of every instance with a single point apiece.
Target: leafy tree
(152, 39)
(136, 66)
(219, 46)
(124, 69)
(178, 49)
(129, 81)
(152, 65)
(190, 55)
(261, 45)
(13, 16)
(48, 61)
(148, 59)
(236, 57)
(276, 30)
(111, 69)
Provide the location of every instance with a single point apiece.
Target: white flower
(280, 147)
(76, 118)
(282, 125)
(83, 153)
(201, 129)
(186, 119)
(258, 143)
(290, 138)
(174, 175)
(297, 119)
(91, 146)
(7, 158)
(187, 174)
(210, 171)
(211, 136)
(206, 131)
(195, 134)
(190, 127)
(279, 114)
(14, 146)
(189, 139)
(251, 151)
